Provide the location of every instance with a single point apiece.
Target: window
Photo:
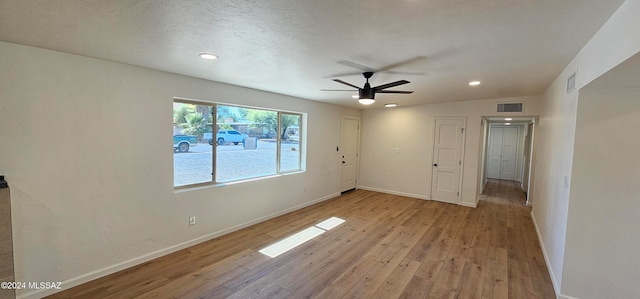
(244, 143)
(290, 142)
(192, 159)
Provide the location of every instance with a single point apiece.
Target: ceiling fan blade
(346, 83)
(394, 91)
(358, 66)
(404, 73)
(386, 72)
(343, 75)
(392, 84)
(401, 63)
(351, 90)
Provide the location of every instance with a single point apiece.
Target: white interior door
(503, 149)
(495, 153)
(509, 153)
(448, 146)
(349, 130)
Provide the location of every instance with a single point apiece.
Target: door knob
(435, 164)
(343, 162)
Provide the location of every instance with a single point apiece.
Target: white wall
(84, 144)
(411, 130)
(616, 41)
(602, 246)
(554, 152)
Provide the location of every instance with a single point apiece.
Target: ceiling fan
(367, 93)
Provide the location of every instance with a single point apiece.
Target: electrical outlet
(192, 220)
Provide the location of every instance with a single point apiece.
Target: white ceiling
(294, 47)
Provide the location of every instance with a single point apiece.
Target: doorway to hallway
(507, 154)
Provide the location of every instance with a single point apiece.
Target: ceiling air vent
(571, 83)
(510, 107)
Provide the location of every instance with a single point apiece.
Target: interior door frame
(495, 119)
(339, 151)
(526, 154)
(462, 153)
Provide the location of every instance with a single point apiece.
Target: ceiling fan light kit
(366, 101)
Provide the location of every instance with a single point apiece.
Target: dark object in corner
(343, 192)
(3, 183)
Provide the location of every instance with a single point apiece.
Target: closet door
(494, 167)
(503, 149)
(509, 153)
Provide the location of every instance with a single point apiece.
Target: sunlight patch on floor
(330, 223)
(300, 238)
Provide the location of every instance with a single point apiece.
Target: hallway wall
(615, 42)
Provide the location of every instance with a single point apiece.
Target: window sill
(201, 186)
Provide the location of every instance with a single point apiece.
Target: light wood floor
(389, 247)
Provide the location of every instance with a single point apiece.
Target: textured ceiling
(294, 47)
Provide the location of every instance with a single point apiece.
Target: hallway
(504, 193)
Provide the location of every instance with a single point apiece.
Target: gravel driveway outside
(233, 162)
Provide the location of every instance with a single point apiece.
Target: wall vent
(510, 107)
(571, 83)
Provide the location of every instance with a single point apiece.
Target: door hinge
(460, 162)
(458, 193)
(462, 130)
(356, 155)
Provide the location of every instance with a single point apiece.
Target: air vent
(571, 83)
(510, 107)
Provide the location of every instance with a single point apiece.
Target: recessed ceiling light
(355, 96)
(208, 56)
(366, 101)
(391, 105)
(507, 124)
(474, 83)
(508, 118)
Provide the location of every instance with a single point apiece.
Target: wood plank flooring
(388, 247)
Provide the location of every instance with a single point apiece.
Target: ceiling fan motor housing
(366, 93)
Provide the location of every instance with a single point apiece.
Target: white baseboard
(468, 204)
(556, 287)
(78, 280)
(412, 195)
(394, 192)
